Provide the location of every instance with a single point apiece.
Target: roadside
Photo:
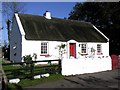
(0, 73)
(0, 79)
(106, 79)
(3, 78)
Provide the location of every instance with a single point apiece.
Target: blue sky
(58, 9)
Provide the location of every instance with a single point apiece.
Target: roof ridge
(59, 18)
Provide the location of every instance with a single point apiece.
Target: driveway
(106, 79)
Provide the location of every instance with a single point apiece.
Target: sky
(57, 9)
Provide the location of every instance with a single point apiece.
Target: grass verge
(19, 71)
(27, 82)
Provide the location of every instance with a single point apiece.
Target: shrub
(29, 64)
(27, 58)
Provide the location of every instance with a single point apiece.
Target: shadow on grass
(14, 87)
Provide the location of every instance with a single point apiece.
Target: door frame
(72, 49)
(68, 44)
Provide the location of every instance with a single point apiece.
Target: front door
(73, 49)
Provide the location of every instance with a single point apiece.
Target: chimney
(47, 15)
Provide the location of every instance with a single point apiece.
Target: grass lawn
(24, 72)
(2, 60)
(12, 72)
(28, 82)
(11, 67)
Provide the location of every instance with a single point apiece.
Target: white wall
(88, 65)
(105, 49)
(15, 41)
(29, 47)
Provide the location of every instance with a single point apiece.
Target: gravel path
(106, 79)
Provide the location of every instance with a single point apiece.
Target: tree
(104, 15)
(8, 10)
(0, 50)
(5, 50)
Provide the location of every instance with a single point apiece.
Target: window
(44, 48)
(99, 49)
(83, 48)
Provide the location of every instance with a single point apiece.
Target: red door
(73, 49)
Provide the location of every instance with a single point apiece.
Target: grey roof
(40, 28)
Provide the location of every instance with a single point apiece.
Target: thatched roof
(40, 28)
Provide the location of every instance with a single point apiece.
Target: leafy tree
(104, 15)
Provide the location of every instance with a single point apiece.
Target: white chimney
(47, 15)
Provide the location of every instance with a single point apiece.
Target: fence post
(60, 68)
(32, 69)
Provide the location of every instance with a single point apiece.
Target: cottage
(49, 38)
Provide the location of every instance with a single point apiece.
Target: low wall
(86, 65)
(115, 61)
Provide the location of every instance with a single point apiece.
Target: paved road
(107, 79)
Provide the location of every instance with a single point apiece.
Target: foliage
(29, 64)
(27, 58)
(18, 70)
(35, 56)
(61, 50)
(5, 50)
(8, 10)
(93, 51)
(104, 15)
(62, 46)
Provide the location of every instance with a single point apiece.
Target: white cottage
(85, 48)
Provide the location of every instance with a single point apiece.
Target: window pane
(44, 48)
(99, 48)
(83, 48)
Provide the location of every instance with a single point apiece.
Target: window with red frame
(44, 48)
(99, 49)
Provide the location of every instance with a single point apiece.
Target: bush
(27, 58)
(29, 65)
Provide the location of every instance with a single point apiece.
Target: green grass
(0, 63)
(24, 72)
(11, 67)
(3, 60)
(27, 82)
